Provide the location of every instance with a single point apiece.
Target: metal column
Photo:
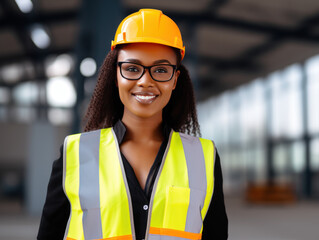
(98, 22)
(307, 180)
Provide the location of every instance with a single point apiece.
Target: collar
(120, 130)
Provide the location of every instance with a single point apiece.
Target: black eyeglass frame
(148, 68)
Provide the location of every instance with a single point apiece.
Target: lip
(145, 97)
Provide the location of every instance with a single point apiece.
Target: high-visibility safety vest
(94, 181)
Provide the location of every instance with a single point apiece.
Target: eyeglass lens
(158, 72)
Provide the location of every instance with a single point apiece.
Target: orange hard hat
(149, 26)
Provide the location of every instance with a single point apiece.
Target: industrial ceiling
(228, 42)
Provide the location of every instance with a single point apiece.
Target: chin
(145, 113)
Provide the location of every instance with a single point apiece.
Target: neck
(143, 129)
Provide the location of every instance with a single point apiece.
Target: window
(312, 72)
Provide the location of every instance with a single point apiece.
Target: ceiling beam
(245, 61)
(231, 64)
(6, 60)
(21, 24)
(298, 33)
(20, 31)
(18, 20)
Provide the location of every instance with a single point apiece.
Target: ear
(176, 78)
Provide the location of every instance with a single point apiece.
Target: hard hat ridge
(150, 26)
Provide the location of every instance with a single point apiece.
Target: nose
(146, 80)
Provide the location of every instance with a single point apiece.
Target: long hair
(106, 108)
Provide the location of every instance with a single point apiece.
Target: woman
(135, 173)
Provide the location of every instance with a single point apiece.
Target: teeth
(145, 97)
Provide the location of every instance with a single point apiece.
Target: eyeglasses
(134, 71)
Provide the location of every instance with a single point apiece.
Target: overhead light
(60, 92)
(26, 93)
(59, 66)
(40, 37)
(12, 73)
(25, 6)
(88, 67)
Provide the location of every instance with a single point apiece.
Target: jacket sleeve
(215, 224)
(56, 209)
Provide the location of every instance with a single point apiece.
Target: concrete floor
(298, 221)
(246, 222)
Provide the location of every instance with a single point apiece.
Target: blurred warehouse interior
(254, 65)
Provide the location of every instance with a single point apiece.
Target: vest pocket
(176, 206)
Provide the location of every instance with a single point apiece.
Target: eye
(131, 69)
(160, 69)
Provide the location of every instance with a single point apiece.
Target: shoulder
(192, 139)
(86, 134)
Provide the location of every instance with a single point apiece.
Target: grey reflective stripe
(63, 184)
(89, 184)
(126, 185)
(195, 160)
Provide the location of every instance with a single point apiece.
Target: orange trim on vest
(125, 237)
(175, 233)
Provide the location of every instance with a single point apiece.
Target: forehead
(147, 53)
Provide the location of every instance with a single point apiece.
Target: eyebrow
(133, 60)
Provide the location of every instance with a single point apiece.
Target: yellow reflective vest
(94, 181)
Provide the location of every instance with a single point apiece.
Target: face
(145, 97)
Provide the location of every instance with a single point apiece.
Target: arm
(56, 209)
(215, 224)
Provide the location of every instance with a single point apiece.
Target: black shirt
(56, 209)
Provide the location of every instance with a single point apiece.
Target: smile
(145, 99)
